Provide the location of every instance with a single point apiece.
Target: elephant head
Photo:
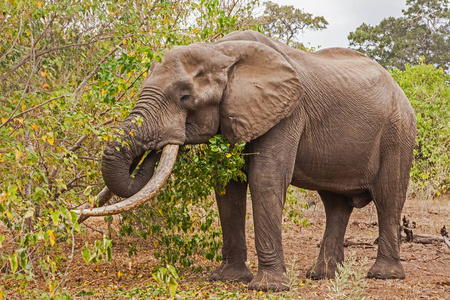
(238, 88)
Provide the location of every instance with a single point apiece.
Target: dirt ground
(427, 266)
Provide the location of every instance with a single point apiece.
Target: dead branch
(349, 243)
(444, 234)
(424, 239)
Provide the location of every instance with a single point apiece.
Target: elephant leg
(270, 173)
(389, 197)
(338, 211)
(268, 197)
(232, 211)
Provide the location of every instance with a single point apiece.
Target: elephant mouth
(150, 190)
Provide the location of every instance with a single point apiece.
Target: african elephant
(333, 121)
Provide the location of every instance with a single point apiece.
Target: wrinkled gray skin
(332, 121)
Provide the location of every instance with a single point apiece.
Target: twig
(25, 90)
(72, 254)
(96, 230)
(37, 106)
(79, 90)
(48, 51)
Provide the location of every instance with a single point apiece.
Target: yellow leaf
(132, 94)
(105, 137)
(131, 132)
(27, 31)
(119, 274)
(1, 294)
(103, 92)
(38, 4)
(145, 74)
(228, 155)
(35, 126)
(4, 120)
(24, 107)
(46, 86)
(124, 42)
(43, 74)
(50, 140)
(18, 154)
(51, 234)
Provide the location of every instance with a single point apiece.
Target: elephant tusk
(150, 190)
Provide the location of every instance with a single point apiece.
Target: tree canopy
(422, 31)
(285, 22)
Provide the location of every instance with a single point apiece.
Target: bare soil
(427, 266)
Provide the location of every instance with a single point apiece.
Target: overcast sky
(343, 17)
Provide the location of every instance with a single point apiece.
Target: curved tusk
(149, 191)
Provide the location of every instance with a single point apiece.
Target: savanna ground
(427, 266)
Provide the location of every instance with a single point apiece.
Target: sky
(343, 16)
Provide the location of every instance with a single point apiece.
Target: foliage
(349, 282)
(293, 207)
(167, 277)
(285, 22)
(428, 91)
(422, 31)
(182, 220)
(70, 71)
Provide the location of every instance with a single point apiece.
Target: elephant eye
(185, 97)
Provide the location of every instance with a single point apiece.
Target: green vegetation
(70, 71)
(423, 31)
(349, 282)
(428, 90)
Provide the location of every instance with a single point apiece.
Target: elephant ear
(262, 89)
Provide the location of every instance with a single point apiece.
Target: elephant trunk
(122, 156)
(118, 168)
(139, 133)
(151, 189)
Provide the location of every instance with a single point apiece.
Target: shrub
(428, 91)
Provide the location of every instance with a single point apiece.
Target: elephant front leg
(267, 215)
(232, 211)
(338, 211)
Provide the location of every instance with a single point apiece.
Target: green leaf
(86, 255)
(55, 217)
(173, 284)
(13, 262)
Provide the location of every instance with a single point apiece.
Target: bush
(182, 220)
(69, 71)
(428, 91)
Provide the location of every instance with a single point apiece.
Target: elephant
(333, 121)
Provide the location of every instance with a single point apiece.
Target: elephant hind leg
(338, 210)
(389, 197)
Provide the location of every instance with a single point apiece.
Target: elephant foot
(386, 269)
(323, 270)
(269, 281)
(232, 272)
